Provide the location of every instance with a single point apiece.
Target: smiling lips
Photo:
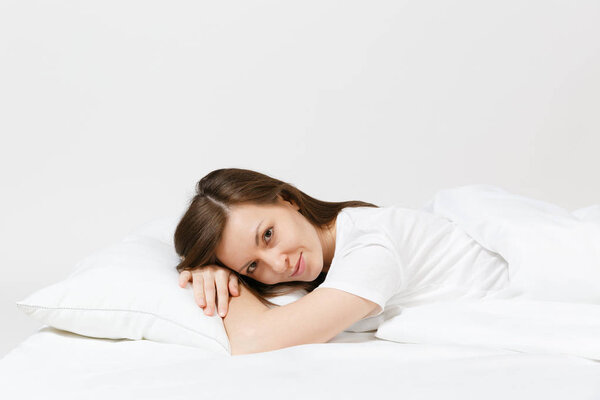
(297, 269)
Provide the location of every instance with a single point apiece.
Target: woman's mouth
(300, 266)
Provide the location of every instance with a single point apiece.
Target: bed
(120, 327)
(62, 365)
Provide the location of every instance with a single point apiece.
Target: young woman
(353, 258)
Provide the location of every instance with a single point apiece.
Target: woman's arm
(315, 318)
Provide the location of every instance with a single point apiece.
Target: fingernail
(222, 313)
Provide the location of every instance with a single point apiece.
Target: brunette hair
(199, 231)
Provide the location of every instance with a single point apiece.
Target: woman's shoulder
(389, 212)
(369, 215)
(369, 224)
(383, 225)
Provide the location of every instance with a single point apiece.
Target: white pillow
(130, 290)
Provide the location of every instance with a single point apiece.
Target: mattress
(354, 365)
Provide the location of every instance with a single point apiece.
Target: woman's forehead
(242, 223)
(242, 214)
(249, 211)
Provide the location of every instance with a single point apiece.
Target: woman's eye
(268, 234)
(267, 237)
(251, 267)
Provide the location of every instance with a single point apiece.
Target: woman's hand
(208, 281)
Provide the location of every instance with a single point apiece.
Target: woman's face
(265, 242)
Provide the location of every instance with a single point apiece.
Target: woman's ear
(289, 202)
(294, 205)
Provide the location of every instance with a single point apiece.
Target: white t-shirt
(400, 257)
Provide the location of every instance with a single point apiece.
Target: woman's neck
(327, 236)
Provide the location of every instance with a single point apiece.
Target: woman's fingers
(184, 278)
(209, 293)
(212, 285)
(233, 285)
(198, 285)
(221, 280)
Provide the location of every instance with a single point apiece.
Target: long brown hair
(199, 231)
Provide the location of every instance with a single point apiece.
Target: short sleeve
(371, 271)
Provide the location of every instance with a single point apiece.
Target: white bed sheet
(60, 365)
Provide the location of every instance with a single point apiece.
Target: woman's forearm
(315, 318)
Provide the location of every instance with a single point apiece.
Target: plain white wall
(110, 111)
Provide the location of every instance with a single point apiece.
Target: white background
(111, 111)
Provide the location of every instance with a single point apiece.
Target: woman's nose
(279, 262)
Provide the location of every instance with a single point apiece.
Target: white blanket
(553, 254)
(529, 326)
(52, 364)
(552, 304)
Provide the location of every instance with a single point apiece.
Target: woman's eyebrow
(255, 241)
(256, 237)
